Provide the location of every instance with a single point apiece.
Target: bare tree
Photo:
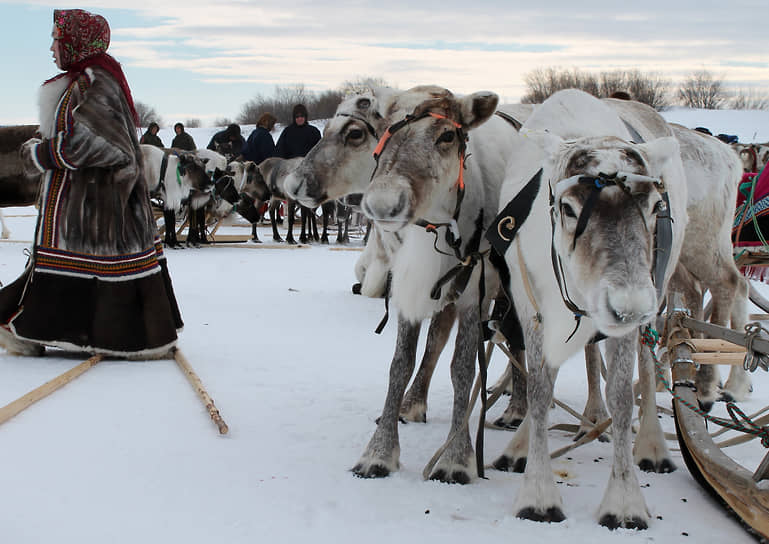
(702, 90)
(362, 84)
(223, 122)
(192, 123)
(541, 83)
(325, 104)
(147, 114)
(650, 89)
(748, 100)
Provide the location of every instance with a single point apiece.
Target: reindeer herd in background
(579, 215)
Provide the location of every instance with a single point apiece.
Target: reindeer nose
(630, 306)
(385, 206)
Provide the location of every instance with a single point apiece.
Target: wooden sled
(742, 492)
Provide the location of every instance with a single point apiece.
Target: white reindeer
(418, 178)
(607, 271)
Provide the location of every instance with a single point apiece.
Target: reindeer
(600, 197)
(16, 188)
(341, 165)
(175, 176)
(419, 180)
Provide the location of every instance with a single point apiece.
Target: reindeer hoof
(277, 239)
(508, 464)
(511, 425)
(552, 515)
(324, 240)
(291, 241)
(373, 471)
(356, 287)
(456, 477)
(665, 466)
(612, 522)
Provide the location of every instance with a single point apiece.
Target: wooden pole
(197, 385)
(13, 408)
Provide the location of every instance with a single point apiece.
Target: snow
(127, 453)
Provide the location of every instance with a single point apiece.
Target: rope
(739, 422)
(753, 359)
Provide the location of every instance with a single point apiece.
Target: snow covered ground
(126, 453)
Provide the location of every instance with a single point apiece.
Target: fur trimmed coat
(97, 280)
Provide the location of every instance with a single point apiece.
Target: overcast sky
(190, 59)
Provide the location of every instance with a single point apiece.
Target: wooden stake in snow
(13, 408)
(194, 380)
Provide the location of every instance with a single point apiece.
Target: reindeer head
(607, 196)
(193, 168)
(421, 156)
(341, 162)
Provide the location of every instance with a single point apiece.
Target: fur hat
(233, 131)
(300, 111)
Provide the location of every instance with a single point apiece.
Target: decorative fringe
(758, 273)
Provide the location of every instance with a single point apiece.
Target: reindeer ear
(363, 104)
(476, 108)
(661, 152)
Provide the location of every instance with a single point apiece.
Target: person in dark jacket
(260, 144)
(183, 140)
(299, 137)
(151, 136)
(228, 142)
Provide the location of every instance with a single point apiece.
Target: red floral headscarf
(84, 39)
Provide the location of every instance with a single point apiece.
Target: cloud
(237, 48)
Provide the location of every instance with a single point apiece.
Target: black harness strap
(510, 119)
(368, 125)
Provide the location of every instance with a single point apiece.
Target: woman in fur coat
(96, 280)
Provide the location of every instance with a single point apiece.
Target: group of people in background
(182, 140)
(296, 140)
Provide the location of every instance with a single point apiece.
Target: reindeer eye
(447, 137)
(567, 211)
(355, 134)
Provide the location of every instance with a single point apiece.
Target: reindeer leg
(595, 409)
(650, 451)
(274, 221)
(414, 407)
(739, 385)
(623, 504)
(516, 409)
(291, 217)
(457, 464)
(538, 498)
(382, 454)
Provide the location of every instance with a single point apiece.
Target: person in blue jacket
(260, 144)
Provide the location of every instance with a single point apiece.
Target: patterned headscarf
(83, 40)
(81, 35)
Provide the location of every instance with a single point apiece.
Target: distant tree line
(701, 89)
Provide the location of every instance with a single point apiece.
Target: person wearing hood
(151, 136)
(96, 279)
(299, 137)
(183, 140)
(228, 142)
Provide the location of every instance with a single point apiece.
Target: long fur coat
(97, 279)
